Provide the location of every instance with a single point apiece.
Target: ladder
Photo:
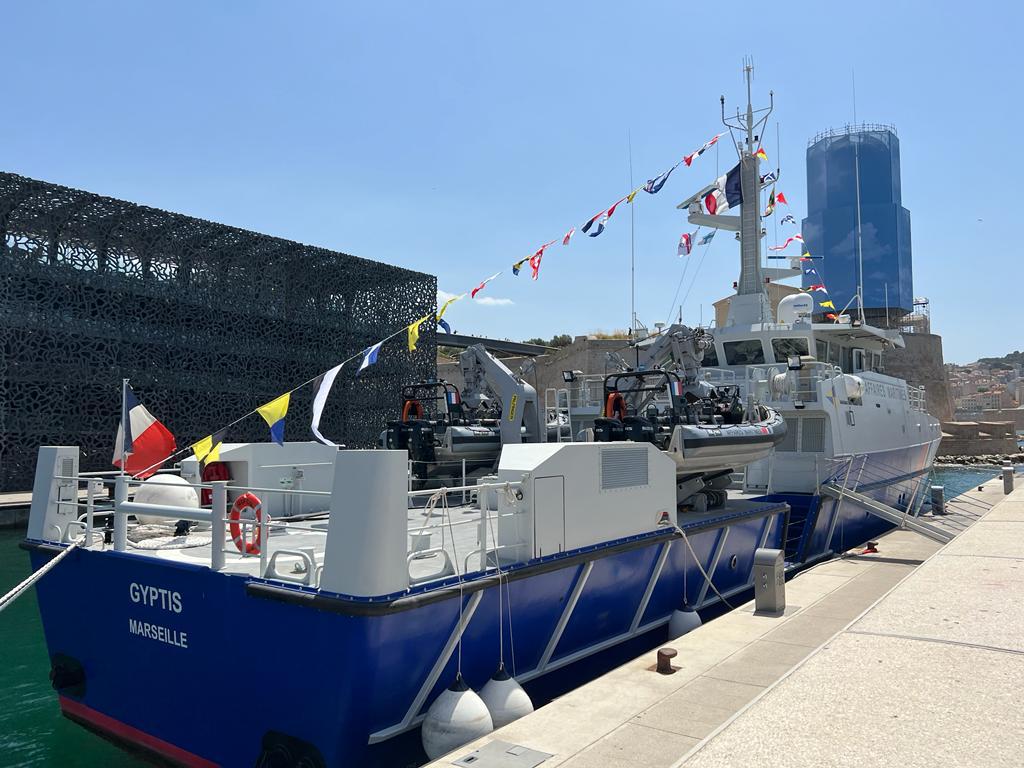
(887, 513)
(559, 412)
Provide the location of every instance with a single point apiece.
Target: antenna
(855, 138)
(632, 240)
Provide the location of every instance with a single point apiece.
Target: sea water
(32, 730)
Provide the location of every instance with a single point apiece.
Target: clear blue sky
(456, 138)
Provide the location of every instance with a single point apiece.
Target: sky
(456, 138)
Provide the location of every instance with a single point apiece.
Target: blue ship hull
(247, 663)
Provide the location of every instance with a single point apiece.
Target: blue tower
(835, 159)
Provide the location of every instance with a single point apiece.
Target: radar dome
(795, 307)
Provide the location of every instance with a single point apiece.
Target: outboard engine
(608, 430)
(421, 445)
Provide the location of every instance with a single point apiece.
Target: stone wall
(1014, 415)
(972, 438)
(920, 364)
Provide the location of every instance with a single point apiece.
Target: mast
(750, 305)
(855, 138)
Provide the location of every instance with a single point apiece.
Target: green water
(32, 730)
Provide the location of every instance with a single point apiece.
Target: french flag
(677, 388)
(146, 442)
(454, 398)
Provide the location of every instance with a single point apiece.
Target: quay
(911, 656)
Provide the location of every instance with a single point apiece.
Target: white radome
(168, 491)
(795, 307)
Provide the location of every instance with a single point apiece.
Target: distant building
(834, 161)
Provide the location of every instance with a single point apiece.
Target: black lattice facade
(207, 321)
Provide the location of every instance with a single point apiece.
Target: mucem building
(207, 321)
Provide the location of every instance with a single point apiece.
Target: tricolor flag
(728, 193)
(677, 388)
(475, 291)
(146, 442)
(453, 397)
(761, 154)
(321, 389)
(568, 235)
(273, 413)
(797, 238)
(771, 204)
(207, 450)
(707, 238)
(694, 155)
(653, 186)
(827, 304)
(781, 198)
(601, 218)
(370, 353)
(685, 244)
(788, 219)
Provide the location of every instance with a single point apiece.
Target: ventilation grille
(623, 467)
(67, 467)
(813, 438)
(789, 441)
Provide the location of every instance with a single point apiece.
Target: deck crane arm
(487, 377)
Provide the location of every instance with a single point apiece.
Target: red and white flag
(535, 259)
(694, 155)
(147, 442)
(685, 244)
(475, 291)
(817, 287)
(794, 238)
(568, 235)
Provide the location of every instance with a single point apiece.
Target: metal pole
(264, 544)
(217, 511)
(90, 491)
(463, 481)
(120, 518)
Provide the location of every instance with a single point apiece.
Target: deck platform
(913, 656)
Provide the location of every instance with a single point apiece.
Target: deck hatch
(624, 467)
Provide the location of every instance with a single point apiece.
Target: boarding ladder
(559, 412)
(905, 518)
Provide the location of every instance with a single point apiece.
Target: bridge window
(710, 357)
(746, 352)
(783, 349)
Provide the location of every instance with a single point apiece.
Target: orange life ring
(246, 501)
(616, 404)
(412, 405)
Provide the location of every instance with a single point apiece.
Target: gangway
(889, 514)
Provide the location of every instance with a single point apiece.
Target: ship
(307, 605)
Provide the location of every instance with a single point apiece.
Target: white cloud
(491, 301)
(443, 296)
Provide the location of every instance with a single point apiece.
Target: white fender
(455, 718)
(683, 620)
(505, 698)
(165, 490)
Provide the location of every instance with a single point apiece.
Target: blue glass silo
(830, 229)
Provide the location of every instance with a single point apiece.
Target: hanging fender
(243, 502)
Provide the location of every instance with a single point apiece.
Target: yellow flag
(761, 154)
(631, 195)
(445, 305)
(203, 447)
(273, 413)
(827, 304)
(414, 333)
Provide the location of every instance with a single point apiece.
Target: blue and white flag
(369, 357)
(321, 389)
(770, 178)
(788, 219)
(707, 238)
(653, 186)
(444, 324)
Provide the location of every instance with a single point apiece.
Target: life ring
(615, 406)
(412, 405)
(246, 501)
